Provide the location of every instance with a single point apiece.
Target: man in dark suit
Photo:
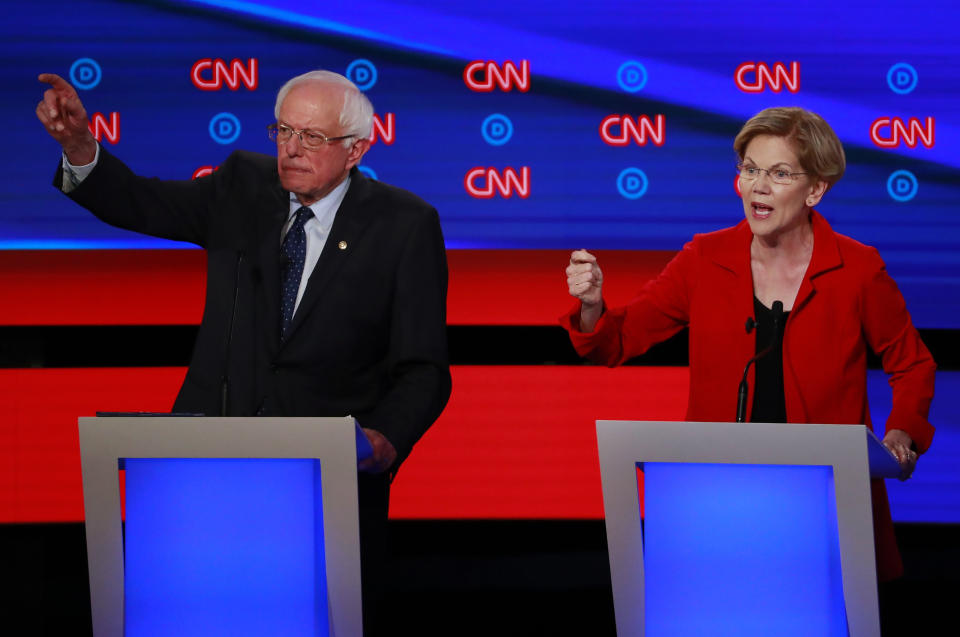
(326, 291)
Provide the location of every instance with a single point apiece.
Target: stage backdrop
(529, 125)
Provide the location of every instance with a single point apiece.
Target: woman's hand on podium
(899, 443)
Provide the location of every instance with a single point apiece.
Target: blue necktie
(294, 249)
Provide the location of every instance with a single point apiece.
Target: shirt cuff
(74, 175)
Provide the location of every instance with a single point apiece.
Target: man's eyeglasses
(782, 176)
(309, 139)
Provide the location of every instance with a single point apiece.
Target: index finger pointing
(57, 82)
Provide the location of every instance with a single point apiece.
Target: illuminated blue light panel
(224, 547)
(741, 550)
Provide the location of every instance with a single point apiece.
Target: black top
(769, 404)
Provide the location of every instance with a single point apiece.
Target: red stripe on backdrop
(521, 442)
(529, 287)
(514, 442)
(166, 287)
(102, 287)
(39, 445)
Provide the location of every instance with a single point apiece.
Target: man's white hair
(356, 114)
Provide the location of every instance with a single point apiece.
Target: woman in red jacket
(837, 300)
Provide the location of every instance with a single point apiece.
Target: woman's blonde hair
(818, 148)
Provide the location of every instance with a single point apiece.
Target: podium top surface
(752, 443)
(217, 437)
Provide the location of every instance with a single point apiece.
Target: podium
(741, 528)
(234, 526)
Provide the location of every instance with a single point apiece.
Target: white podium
(748, 528)
(239, 526)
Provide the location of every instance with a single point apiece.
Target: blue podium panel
(735, 549)
(224, 547)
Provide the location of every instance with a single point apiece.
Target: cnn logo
(210, 74)
(888, 132)
(102, 128)
(484, 183)
(483, 77)
(620, 130)
(755, 77)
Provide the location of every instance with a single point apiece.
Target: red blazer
(846, 302)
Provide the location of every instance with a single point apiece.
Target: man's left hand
(384, 454)
(899, 442)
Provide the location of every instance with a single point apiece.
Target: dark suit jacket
(846, 303)
(368, 338)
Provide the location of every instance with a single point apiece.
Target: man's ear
(357, 151)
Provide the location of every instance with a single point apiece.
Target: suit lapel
(826, 257)
(734, 257)
(351, 221)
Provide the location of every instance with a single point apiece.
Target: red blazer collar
(826, 249)
(732, 252)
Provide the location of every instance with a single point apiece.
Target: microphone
(742, 390)
(777, 319)
(225, 382)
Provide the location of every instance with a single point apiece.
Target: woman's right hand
(585, 282)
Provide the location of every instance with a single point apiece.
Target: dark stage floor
(470, 577)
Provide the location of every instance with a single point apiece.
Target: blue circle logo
(632, 76)
(362, 73)
(632, 183)
(497, 129)
(902, 78)
(902, 185)
(224, 128)
(369, 172)
(85, 73)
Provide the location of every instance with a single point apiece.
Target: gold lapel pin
(342, 245)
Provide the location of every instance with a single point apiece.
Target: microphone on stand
(225, 383)
(777, 318)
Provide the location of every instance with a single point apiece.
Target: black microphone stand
(225, 384)
(744, 388)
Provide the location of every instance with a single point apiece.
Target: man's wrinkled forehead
(313, 99)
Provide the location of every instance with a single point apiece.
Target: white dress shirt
(317, 229)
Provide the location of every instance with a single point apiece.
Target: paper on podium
(365, 450)
(883, 464)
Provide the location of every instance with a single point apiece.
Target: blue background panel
(932, 494)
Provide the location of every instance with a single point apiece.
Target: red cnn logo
(640, 131)
(203, 171)
(506, 77)
(764, 77)
(100, 128)
(232, 75)
(385, 129)
(898, 130)
(505, 183)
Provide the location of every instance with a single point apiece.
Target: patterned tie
(294, 249)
